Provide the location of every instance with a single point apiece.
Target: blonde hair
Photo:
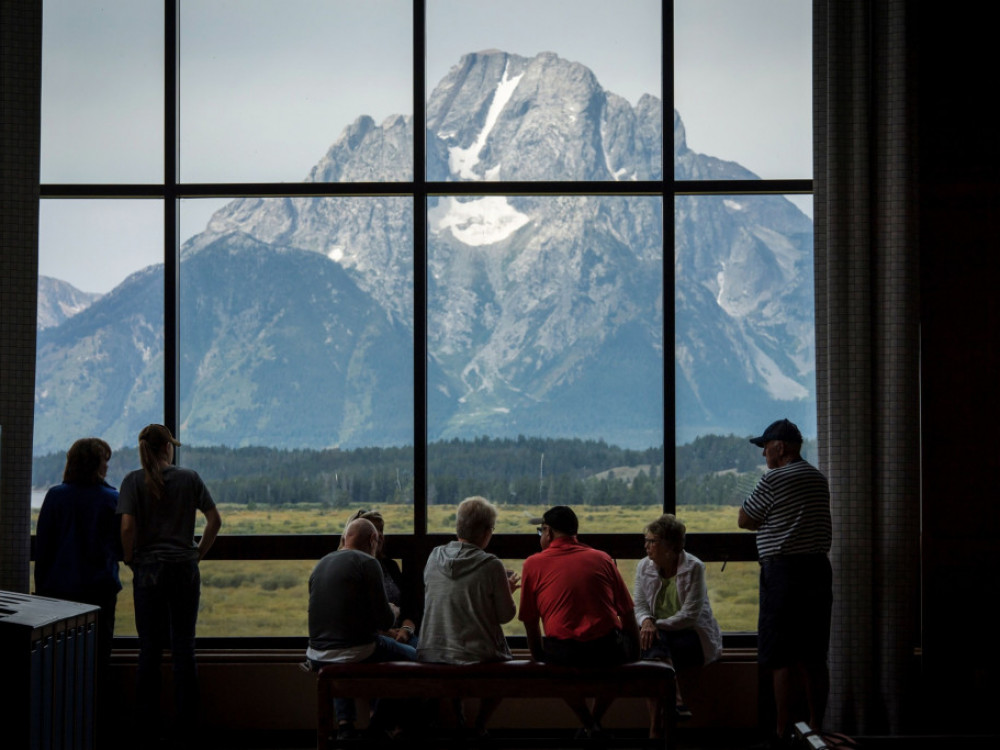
(153, 442)
(475, 518)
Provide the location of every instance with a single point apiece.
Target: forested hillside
(711, 470)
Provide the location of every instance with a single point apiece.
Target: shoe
(682, 711)
(596, 732)
(347, 731)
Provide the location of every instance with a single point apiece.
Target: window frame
(413, 548)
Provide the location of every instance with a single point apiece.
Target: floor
(700, 739)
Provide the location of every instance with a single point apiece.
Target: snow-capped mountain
(544, 314)
(58, 301)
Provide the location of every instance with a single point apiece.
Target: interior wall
(20, 121)
(272, 693)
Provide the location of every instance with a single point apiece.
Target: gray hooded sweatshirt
(466, 600)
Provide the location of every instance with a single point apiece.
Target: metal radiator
(48, 660)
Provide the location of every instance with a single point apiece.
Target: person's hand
(403, 635)
(513, 581)
(647, 634)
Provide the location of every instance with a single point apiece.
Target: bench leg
(670, 718)
(324, 716)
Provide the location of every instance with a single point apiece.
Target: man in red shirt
(582, 601)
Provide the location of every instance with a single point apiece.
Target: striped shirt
(792, 506)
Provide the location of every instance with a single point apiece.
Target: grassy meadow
(269, 597)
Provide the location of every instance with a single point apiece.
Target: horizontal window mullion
(733, 547)
(367, 189)
(742, 187)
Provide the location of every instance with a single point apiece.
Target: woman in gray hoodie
(468, 595)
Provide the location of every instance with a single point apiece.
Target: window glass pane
(102, 91)
(572, 95)
(743, 89)
(733, 593)
(545, 350)
(239, 599)
(296, 355)
(744, 341)
(268, 88)
(100, 319)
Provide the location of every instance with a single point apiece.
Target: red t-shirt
(576, 590)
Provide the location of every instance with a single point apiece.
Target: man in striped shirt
(790, 511)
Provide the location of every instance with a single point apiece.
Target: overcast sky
(268, 85)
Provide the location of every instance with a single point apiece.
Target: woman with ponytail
(158, 505)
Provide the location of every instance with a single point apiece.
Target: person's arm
(746, 522)
(404, 632)
(631, 631)
(754, 510)
(643, 615)
(128, 537)
(503, 588)
(409, 607)
(44, 546)
(213, 522)
(382, 612)
(534, 634)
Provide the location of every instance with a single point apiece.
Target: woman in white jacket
(675, 618)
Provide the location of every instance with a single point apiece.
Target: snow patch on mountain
(462, 161)
(778, 385)
(481, 221)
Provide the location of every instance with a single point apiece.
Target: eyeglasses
(647, 541)
(541, 529)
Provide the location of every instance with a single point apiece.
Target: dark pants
(607, 650)
(386, 649)
(166, 598)
(681, 647)
(795, 605)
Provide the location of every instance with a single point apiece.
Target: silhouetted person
(790, 511)
(158, 504)
(583, 603)
(77, 549)
(347, 609)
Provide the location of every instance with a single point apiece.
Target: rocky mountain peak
(544, 313)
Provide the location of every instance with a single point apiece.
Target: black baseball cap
(561, 518)
(780, 430)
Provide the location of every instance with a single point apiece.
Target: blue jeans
(681, 647)
(166, 596)
(386, 649)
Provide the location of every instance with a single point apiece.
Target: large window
(396, 253)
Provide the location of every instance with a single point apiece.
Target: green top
(668, 603)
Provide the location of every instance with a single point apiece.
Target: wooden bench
(505, 679)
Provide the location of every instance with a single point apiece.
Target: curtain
(867, 351)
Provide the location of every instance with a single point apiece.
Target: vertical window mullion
(419, 273)
(171, 254)
(669, 474)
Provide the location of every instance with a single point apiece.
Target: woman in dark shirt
(78, 544)
(400, 595)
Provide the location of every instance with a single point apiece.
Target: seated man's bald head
(361, 535)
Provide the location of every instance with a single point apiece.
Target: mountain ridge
(544, 313)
